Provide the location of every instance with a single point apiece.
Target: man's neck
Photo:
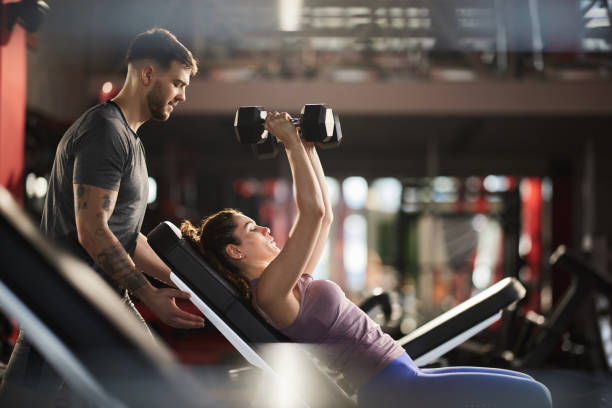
(132, 109)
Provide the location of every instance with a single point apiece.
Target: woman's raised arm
(275, 288)
(328, 217)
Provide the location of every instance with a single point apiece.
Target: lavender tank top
(346, 339)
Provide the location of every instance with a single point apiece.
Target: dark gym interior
(475, 143)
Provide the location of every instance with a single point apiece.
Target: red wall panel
(12, 108)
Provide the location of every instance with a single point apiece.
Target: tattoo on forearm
(134, 281)
(114, 261)
(107, 202)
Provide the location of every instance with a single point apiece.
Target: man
(98, 192)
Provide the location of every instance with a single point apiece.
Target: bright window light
(334, 190)
(481, 277)
(35, 187)
(40, 187)
(152, 191)
(496, 184)
(547, 189)
(281, 191)
(525, 244)
(29, 185)
(487, 254)
(444, 185)
(479, 222)
(322, 269)
(355, 192)
(385, 195)
(355, 251)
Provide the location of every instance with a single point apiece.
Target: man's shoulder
(103, 114)
(102, 120)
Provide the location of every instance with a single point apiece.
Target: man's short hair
(162, 47)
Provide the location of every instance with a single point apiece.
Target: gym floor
(572, 388)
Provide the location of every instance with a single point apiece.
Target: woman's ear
(233, 252)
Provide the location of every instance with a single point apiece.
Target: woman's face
(257, 247)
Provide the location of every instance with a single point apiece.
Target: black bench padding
(463, 317)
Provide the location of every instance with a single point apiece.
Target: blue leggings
(403, 384)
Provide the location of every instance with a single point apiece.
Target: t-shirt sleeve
(100, 157)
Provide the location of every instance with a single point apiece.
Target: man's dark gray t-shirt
(99, 150)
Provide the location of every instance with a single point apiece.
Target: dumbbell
(317, 122)
(268, 148)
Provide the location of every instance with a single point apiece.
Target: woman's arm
(328, 217)
(275, 289)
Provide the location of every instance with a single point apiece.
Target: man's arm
(93, 207)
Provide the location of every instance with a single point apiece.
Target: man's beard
(156, 103)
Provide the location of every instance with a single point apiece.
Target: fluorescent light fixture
(290, 14)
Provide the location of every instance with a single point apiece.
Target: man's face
(168, 90)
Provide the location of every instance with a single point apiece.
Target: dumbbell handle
(294, 121)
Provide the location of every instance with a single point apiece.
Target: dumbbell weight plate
(317, 122)
(336, 139)
(249, 124)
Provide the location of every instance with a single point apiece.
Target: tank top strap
(303, 283)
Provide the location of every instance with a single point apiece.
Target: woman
(280, 286)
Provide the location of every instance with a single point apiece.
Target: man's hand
(162, 303)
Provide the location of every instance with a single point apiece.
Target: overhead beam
(410, 98)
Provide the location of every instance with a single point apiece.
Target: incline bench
(237, 320)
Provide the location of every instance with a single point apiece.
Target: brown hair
(212, 236)
(161, 46)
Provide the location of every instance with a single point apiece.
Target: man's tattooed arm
(81, 197)
(93, 208)
(117, 264)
